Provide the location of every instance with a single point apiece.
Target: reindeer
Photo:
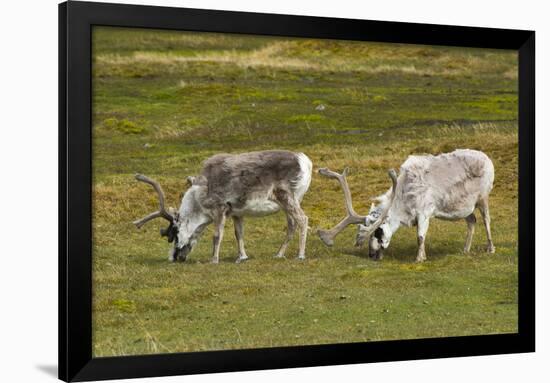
(448, 186)
(236, 186)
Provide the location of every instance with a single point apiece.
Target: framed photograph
(374, 182)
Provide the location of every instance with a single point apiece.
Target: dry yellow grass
(279, 55)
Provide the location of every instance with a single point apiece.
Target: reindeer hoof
(377, 256)
(279, 256)
(491, 249)
(215, 261)
(301, 257)
(241, 259)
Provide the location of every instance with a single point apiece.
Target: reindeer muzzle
(180, 254)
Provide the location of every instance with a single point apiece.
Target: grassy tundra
(165, 101)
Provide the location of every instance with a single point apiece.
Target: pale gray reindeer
(236, 186)
(448, 186)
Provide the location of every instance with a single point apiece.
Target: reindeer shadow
(191, 260)
(407, 252)
(155, 260)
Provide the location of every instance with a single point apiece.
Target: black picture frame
(75, 211)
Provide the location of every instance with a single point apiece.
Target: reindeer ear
(196, 180)
(191, 180)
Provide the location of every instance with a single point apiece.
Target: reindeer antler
(162, 212)
(327, 236)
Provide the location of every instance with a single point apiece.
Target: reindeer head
(371, 226)
(379, 239)
(185, 225)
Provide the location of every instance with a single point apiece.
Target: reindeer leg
(471, 221)
(290, 230)
(484, 209)
(302, 222)
(239, 234)
(219, 223)
(422, 228)
(295, 218)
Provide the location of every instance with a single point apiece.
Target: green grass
(165, 101)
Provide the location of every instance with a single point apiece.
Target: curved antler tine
(327, 236)
(162, 212)
(327, 172)
(140, 222)
(393, 175)
(376, 224)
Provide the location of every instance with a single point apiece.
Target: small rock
(320, 107)
(147, 146)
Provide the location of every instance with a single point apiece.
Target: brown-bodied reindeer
(236, 186)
